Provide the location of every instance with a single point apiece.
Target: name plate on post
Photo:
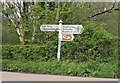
(72, 29)
(49, 28)
(67, 37)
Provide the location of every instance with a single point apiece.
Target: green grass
(85, 69)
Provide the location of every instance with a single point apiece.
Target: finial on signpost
(60, 21)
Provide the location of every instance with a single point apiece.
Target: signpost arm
(59, 40)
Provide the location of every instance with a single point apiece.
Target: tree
(27, 17)
(17, 13)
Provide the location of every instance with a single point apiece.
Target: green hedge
(105, 51)
(28, 52)
(94, 43)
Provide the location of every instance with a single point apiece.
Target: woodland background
(92, 53)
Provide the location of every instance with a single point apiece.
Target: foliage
(93, 43)
(9, 35)
(69, 12)
(28, 52)
(89, 68)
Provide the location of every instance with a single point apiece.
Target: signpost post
(59, 40)
(65, 32)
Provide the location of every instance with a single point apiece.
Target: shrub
(28, 52)
(93, 43)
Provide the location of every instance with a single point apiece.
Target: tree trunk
(17, 23)
(57, 14)
(33, 34)
(34, 31)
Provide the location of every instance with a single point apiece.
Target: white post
(59, 40)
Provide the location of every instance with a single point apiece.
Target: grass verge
(85, 69)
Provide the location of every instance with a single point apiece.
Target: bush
(28, 52)
(94, 43)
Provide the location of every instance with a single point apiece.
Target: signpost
(65, 32)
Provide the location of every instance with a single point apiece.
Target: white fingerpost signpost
(65, 32)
